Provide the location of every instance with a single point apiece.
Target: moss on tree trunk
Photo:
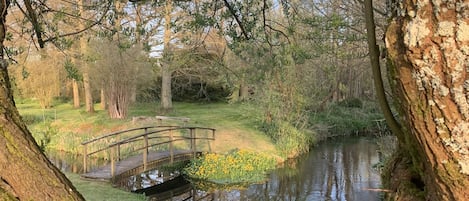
(25, 172)
(427, 46)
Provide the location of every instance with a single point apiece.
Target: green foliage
(45, 135)
(341, 120)
(72, 70)
(236, 167)
(30, 119)
(351, 102)
(290, 140)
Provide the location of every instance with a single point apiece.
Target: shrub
(290, 140)
(30, 119)
(351, 102)
(236, 167)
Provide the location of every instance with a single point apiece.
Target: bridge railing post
(193, 145)
(118, 152)
(85, 158)
(145, 151)
(113, 161)
(171, 148)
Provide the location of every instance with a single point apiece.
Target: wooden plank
(104, 173)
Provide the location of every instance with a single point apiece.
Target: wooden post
(145, 152)
(85, 158)
(193, 148)
(118, 152)
(171, 151)
(113, 162)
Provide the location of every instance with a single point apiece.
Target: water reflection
(340, 169)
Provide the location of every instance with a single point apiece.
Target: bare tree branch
(240, 24)
(33, 18)
(80, 31)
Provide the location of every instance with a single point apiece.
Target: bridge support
(171, 147)
(193, 145)
(145, 153)
(85, 158)
(113, 161)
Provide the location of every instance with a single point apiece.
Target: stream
(337, 169)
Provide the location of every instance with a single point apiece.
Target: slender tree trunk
(166, 94)
(243, 91)
(428, 45)
(138, 39)
(88, 92)
(103, 100)
(89, 107)
(76, 94)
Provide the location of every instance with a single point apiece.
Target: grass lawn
(101, 191)
(68, 127)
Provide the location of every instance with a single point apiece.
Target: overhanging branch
(33, 18)
(240, 24)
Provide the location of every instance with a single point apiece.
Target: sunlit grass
(100, 191)
(64, 127)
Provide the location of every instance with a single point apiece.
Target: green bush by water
(344, 120)
(290, 141)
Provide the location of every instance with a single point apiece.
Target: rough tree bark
(428, 49)
(25, 172)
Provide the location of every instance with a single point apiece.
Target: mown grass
(100, 191)
(64, 128)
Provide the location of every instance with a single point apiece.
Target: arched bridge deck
(139, 149)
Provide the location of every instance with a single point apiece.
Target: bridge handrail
(120, 132)
(124, 141)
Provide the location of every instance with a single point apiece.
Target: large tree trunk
(428, 46)
(25, 172)
(118, 89)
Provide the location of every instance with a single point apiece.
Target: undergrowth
(340, 119)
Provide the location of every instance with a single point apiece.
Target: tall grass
(344, 120)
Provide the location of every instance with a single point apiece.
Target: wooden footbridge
(140, 149)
